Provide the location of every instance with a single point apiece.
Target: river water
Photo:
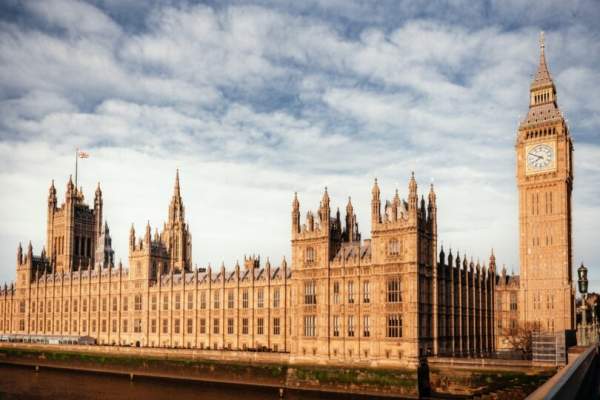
(25, 383)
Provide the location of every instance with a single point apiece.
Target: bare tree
(520, 339)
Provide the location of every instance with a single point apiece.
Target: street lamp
(582, 331)
(583, 281)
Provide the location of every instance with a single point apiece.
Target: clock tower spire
(545, 182)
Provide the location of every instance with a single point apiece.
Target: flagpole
(76, 157)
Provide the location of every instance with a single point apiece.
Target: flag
(83, 154)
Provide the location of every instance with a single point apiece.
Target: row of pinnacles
(402, 248)
(466, 299)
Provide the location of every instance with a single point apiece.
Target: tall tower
(545, 182)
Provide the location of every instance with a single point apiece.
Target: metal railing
(573, 381)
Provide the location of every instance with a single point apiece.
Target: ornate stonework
(386, 300)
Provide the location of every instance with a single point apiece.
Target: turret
(325, 211)
(98, 219)
(375, 204)
(52, 196)
(395, 206)
(29, 251)
(132, 238)
(19, 254)
(295, 214)
(148, 235)
(70, 189)
(413, 198)
(493, 262)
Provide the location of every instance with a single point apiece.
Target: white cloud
(256, 102)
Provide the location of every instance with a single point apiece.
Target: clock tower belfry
(545, 182)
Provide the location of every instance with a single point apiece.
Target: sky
(254, 101)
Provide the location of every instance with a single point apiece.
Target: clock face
(540, 157)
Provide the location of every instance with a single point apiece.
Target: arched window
(310, 255)
(393, 247)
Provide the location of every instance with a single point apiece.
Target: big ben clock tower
(545, 182)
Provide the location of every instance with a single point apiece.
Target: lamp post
(583, 287)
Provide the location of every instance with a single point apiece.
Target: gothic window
(230, 326)
(114, 326)
(216, 300)
(115, 304)
(276, 326)
(260, 326)
(351, 326)
(190, 301)
(230, 299)
(276, 298)
(244, 326)
(176, 327)
(310, 325)
(83, 308)
(153, 326)
(366, 292)
(165, 326)
(393, 247)
(366, 326)
(394, 325)
(165, 302)
(350, 292)
(336, 325)
(177, 301)
(202, 300)
(310, 255)
(74, 305)
(137, 325)
(94, 306)
(393, 291)
(513, 302)
(245, 298)
(202, 325)
(138, 302)
(336, 292)
(125, 303)
(190, 325)
(216, 326)
(310, 292)
(261, 298)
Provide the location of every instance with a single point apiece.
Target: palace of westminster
(389, 299)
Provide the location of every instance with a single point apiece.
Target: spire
(70, 185)
(176, 209)
(375, 191)
(295, 214)
(132, 237)
(413, 198)
(375, 205)
(349, 208)
(177, 191)
(20, 254)
(432, 196)
(542, 76)
(52, 194)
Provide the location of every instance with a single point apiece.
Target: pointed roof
(177, 191)
(542, 76)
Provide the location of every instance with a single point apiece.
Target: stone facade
(544, 289)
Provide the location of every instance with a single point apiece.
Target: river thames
(25, 383)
